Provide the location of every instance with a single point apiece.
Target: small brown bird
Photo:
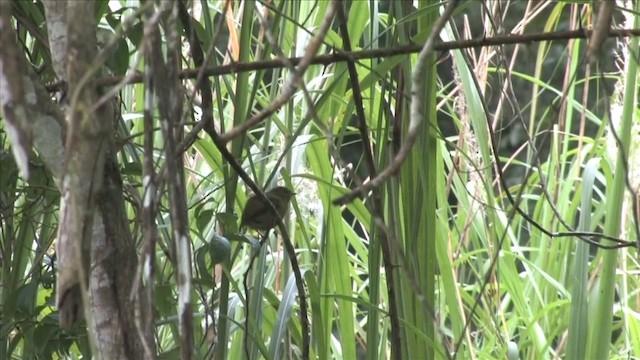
(259, 215)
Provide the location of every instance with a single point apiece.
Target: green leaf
(220, 249)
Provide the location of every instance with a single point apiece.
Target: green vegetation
(483, 245)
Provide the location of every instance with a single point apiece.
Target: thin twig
(292, 84)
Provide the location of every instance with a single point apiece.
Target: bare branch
(341, 56)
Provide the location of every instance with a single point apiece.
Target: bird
(259, 215)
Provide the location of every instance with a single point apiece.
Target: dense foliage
(486, 242)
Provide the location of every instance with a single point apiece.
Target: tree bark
(95, 250)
